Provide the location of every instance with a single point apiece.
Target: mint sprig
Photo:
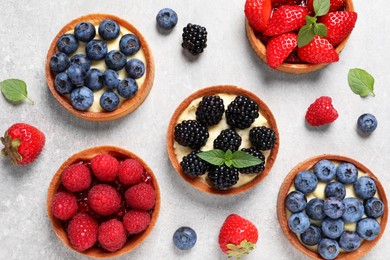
(307, 32)
(238, 159)
(361, 82)
(14, 90)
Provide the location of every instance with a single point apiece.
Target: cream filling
(214, 131)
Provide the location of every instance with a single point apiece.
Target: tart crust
(260, 50)
(128, 105)
(86, 155)
(366, 245)
(197, 182)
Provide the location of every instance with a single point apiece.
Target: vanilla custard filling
(214, 131)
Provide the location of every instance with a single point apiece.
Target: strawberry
(286, 18)
(279, 47)
(278, 3)
(321, 112)
(258, 12)
(334, 5)
(237, 236)
(340, 25)
(319, 50)
(22, 143)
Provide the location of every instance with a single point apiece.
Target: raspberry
(83, 231)
(76, 177)
(105, 167)
(64, 205)
(130, 172)
(141, 196)
(136, 221)
(321, 112)
(112, 235)
(104, 199)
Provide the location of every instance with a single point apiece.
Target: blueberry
(349, 241)
(109, 101)
(84, 31)
(335, 189)
(67, 43)
(115, 60)
(328, 248)
(94, 79)
(166, 18)
(109, 29)
(347, 173)
(135, 68)
(96, 49)
(76, 74)
(59, 62)
(354, 210)
(311, 236)
(334, 207)
(295, 201)
(111, 79)
(365, 187)
(325, 170)
(184, 238)
(82, 60)
(306, 182)
(299, 222)
(374, 207)
(81, 98)
(368, 228)
(63, 84)
(127, 88)
(332, 228)
(129, 44)
(315, 209)
(367, 123)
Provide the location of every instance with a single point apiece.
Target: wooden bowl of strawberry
(103, 201)
(299, 36)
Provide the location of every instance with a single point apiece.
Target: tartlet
(288, 182)
(128, 105)
(86, 155)
(199, 183)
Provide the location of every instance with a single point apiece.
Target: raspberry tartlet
(225, 121)
(103, 218)
(99, 67)
(332, 207)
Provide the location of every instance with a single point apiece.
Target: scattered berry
(84, 31)
(184, 238)
(104, 199)
(81, 98)
(223, 177)
(285, 19)
(141, 196)
(96, 49)
(242, 112)
(305, 182)
(279, 48)
(135, 68)
(166, 19)
(256, 168)
(295, 201)
(115, 60)
(228, 139)
(59, 62)
(312, 236)
(76, 177)
(258, 13)
(332, 228)
(349, 241)
(367, 123)
(63, 84)
(262, 138)
(365, 187)
(112, 235)
(193, 166)
(368, 228)
(136, 221)
(210, 110)
(194, 38)
(191, 133)
(105, 167)
(64, 205)
(339, 24)
(130, 172)
(82, 231)
(127, 88)
(109, 29)
(299, 222)
(67, 44)
(319, 50)
(321, 112)
(354, 210)
(328, 248)
(374, 207)
(109, 101)
(129, 44)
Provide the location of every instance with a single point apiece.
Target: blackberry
(228, 139)
(194, 166)
(242, 112)
(191, 133)
(210, 110)
(257, 168)
(262, 138)
(194, 38)
(223, 177)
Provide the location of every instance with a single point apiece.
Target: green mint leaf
(228, 155)
(320, 29)
(361, 82)
(321, 7)
(214, 157)
(305, 35)
(310, 20)
(228, 163)
(242, 160)
(14, 90)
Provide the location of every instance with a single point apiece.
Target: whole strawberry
(237, 236)
(22, 143)
(258, 12)
(279, 48)
(286, 18)
(340, 25)
(319, 50)
(321, 112)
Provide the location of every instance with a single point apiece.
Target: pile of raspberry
(104, 202)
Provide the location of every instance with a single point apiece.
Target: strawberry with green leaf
(319, 50)
(334, 5)
(286, 18)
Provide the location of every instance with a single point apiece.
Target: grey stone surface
(27, 29)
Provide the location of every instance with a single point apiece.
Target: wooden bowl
(260, 50)
(86, 155)
(197, 182)
(128, 105)
(308, 164)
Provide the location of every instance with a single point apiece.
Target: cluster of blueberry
(76, 77)
(332, 213)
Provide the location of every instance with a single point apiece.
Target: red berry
(286, 18)
(280, 47)
(64, 205)
(319, 50)
(105, 167)
(141, 196)
(335, 5)
(82, 231)
(278, 3)
(104, 199)
(136, 221)
(130, 172)
(76, 177)
(22, 143)
(258, 12)
(321, 112)
(112, 235)
(340, 25)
